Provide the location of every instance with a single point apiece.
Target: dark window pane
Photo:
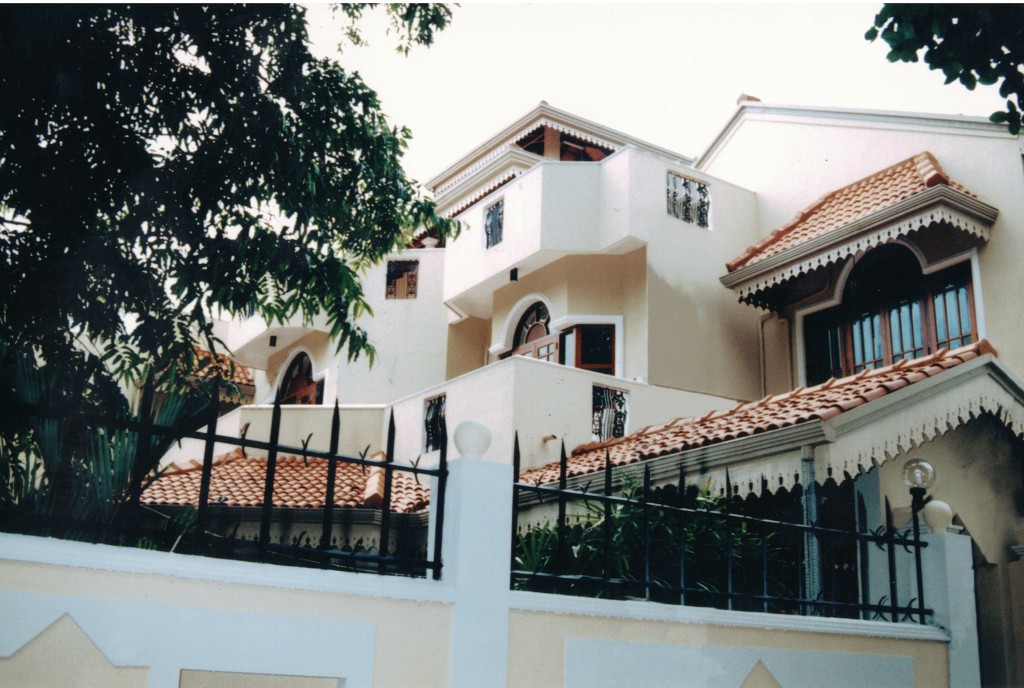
(597, 344)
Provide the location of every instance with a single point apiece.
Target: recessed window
(402, 277)
(589, 347)
(298, 385)
(609, 409)
(433, 423)
(494, 223)
(890, 312)
(687, 199)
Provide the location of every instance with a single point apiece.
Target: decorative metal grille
(609, 413)
(688, 200)
(678, 544)
(494, 223)
(402, 278)
(433, 422)
(390, 551)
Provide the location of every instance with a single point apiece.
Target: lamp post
(918, 475)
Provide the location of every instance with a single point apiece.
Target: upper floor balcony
(558, 208)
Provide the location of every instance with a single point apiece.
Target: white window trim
(292, 355)
(617, 321)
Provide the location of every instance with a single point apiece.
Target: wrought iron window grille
(494, 223)
(688, 200)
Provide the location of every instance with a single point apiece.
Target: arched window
(298, 385)
(890, 312)
(532, 337)
(533, 325)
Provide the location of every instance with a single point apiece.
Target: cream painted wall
(792, 158)
(63, 655)
(541, 644)
(700, 338)
(776, 334)
(468, 341)
(396, 625)
(538, 399)
(583, 285)
(549, 282)
(317, 345)
(980, 474)
(410, 335)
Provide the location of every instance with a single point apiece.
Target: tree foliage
(161, 164)
(971, 43)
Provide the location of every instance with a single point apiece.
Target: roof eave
(979, 125)
(928, 200)
(545, 111)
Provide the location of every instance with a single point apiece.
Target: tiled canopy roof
(821, 402)
(230, 371)
(238, 480)
(841, 207)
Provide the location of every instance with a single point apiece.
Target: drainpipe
(812, 558)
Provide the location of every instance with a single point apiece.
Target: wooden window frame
(397, 271)
(842, 319)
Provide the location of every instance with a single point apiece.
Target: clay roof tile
(842, 206)
(824, 402)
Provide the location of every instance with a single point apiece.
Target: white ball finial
(938, 515)
(472, 439)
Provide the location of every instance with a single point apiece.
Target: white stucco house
(821, 295)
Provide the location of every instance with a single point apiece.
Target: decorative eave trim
(904, 420)
(499, 169)
(774, 455)
(543, 114)
(851, 442)
(939, 204)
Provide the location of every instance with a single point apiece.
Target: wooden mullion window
(916, 320)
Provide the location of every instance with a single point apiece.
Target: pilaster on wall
(477, 560)
(948, 579)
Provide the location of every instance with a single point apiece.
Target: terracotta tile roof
(205, 366)
(238, 480)
(841, 207)
(823, 402)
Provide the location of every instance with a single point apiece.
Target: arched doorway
(298, 385)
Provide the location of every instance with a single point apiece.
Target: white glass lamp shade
(918, 473)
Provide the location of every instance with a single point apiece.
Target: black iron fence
(387, 542)
(678, 544)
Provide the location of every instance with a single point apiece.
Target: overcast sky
(669, 73)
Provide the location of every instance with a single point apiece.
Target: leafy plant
(655, 550)
(70, 470)
(970, 43)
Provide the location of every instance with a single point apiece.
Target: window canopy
(905, 201)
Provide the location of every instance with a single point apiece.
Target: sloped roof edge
(864, 423)
(541, 112)
(937, 204)
(753, 108)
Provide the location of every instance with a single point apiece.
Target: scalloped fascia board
(543, 114)
(511, 162)
(939, 203)
(853, 441)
